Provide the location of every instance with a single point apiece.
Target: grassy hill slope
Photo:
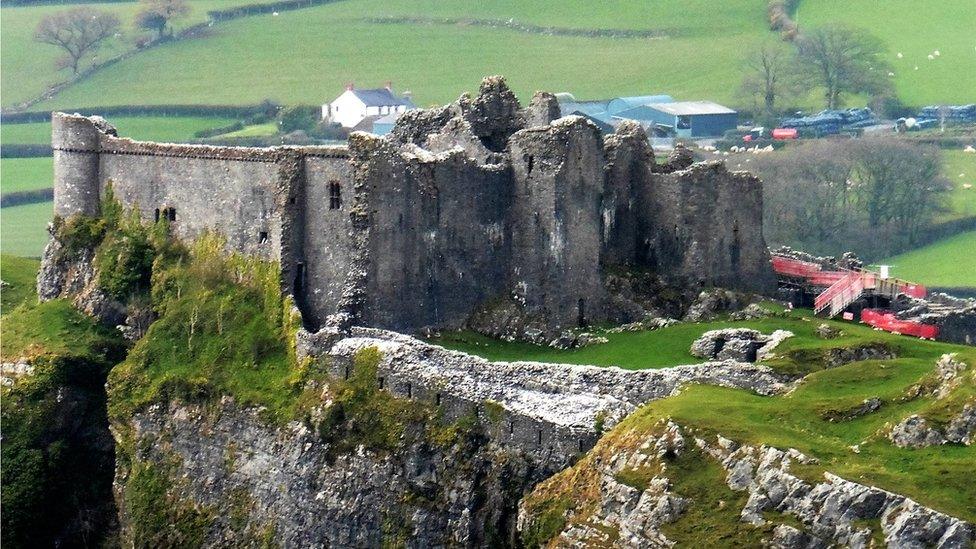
(28, 67)
(914, 29)
(306, 56)
(946, 263)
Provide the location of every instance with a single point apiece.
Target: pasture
(148, 128)
(960, 170)
(306, 56)
(950, 262)
(28, 67)
(916, 30)
(23, 229)
(26, 174)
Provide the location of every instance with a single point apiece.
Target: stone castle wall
(463, 206)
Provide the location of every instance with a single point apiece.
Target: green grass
(257, 130)
(19, 276)
(28, 67)
(945, 263)
(669, 346)
(148, 128)
(26, 174)
(23, 229)
(939, 476)
(52, 328)
(915, 30)
(960, 169)
(438, 62)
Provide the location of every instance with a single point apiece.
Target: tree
(875, 196)
(843, 60)
(157, 15)
(770, 76)
(77, 31)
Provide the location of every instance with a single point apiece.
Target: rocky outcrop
(830, 510)
(741, 344)
(916, 432)
(623, 495)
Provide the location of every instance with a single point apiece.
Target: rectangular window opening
(335, 195)
(263, 237)
(381, 381)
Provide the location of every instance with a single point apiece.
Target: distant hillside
(307, 55)
(915, 30)
(690, 49)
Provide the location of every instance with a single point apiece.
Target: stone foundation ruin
(461, 208)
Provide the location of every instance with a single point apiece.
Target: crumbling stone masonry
(462, 206)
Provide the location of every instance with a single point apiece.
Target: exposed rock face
(284, 480)
(536, 419)
(741, 344)
(915, 432)
(962, 428)
(70, 274)
(830, 513)
(829, 509)
(711, 302)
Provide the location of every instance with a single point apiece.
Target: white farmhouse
(358, 108)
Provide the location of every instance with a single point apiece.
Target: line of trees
(80, 32)
(875, 196)
(835, 59)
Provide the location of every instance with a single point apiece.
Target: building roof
(381, 97)
(389, 118)
(690, 108)
(623, 103)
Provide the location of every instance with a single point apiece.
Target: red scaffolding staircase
(837, 288)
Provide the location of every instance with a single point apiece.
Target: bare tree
(872, 195)
(843, 60)
(77, 31)
(770, 76)
(158, 15)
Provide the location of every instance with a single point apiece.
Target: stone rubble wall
(550, 411)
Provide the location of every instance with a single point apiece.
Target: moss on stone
(157, 517)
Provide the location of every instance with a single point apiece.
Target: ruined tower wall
(558, 173)
(328, 246)
(704, 224)
(75, 143)
(437, 244)
(629, 161)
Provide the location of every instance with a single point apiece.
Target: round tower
(74, 139)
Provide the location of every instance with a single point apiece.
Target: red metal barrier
(887, 321)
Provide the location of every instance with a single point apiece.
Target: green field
(914, 29)
(25, 174)
(149, 128)
(960, 170)
(23, 229)
(698, 55)
(306, 56)
(28, 67)
(946, 263)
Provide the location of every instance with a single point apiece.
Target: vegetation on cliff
(222, 329)
(57, 461)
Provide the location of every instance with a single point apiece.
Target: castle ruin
(460, 208)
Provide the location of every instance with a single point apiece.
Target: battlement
(478, 202)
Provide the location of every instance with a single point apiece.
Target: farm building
(621, 104)
(354, 106)
(686, 118)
